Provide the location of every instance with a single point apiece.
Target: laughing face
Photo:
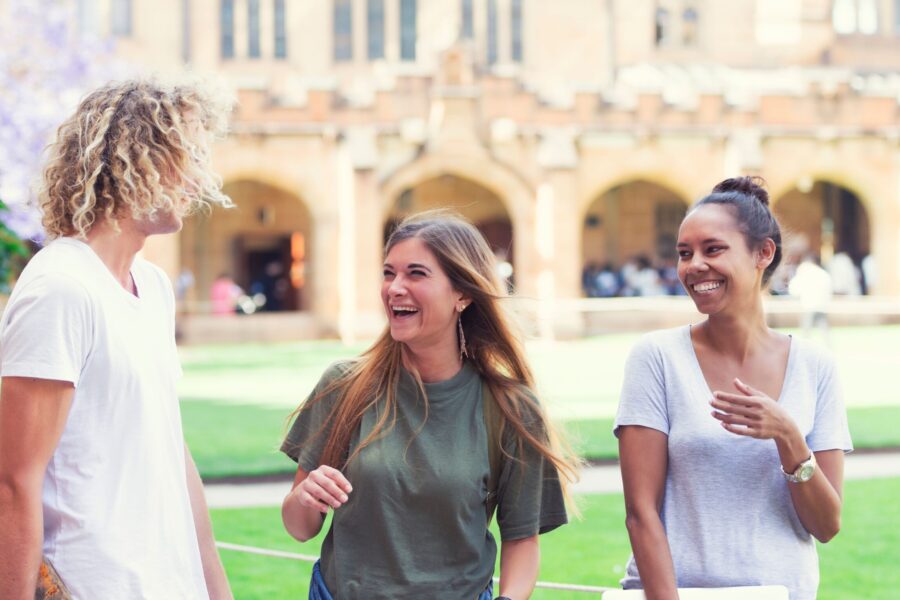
(716, 266)
(419, 299)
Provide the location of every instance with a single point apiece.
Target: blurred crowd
(640, 276)
(637, 277)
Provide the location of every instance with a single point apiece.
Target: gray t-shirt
(414, 526)
(727, 509)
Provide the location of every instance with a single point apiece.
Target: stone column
(326, 238)
(884, 223)
(369, 318)
(557, 233)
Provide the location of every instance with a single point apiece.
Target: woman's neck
(433, 363)
(736, 334)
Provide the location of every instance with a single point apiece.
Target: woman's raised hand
(751, 413)
(323, 488)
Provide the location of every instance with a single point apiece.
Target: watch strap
(795, 477)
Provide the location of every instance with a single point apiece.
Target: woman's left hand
(751, 413)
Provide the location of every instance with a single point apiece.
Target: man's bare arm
(213, 571)
(33, 414)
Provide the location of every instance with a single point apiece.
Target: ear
(461, 300)
(765, 254)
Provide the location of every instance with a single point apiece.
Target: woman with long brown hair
(413, 443)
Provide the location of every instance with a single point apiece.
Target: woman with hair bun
(731, 434)
(414, 443)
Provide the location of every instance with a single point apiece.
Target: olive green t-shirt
(414, 525)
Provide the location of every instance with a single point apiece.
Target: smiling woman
(729, 417)
(415, 443)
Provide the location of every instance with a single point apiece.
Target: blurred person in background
(94, 471)
(224, 294)
(869, 273)
(413, 444)
(811, 284)
(606, 282)
(731, 435)
(647, 281)
(845, 276)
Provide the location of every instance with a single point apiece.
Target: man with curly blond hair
(94, 472)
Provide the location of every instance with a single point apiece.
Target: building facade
(572, 132)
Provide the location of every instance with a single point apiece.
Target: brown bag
(49, 584)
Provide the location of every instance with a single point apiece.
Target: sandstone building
(570, 131)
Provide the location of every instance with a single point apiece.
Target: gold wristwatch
(804, 472)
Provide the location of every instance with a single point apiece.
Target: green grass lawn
(859, 563)
(235, 440)
(236, 398)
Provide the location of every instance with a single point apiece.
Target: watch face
(806, 472)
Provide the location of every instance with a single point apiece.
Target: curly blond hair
(132, 149)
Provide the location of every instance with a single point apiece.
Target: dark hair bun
(751, 185)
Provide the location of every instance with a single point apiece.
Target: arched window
(253, 49)
(516, 30)
(690, 26)
(408, 29)
(343, 30)
(186, 30)
(467, 31)
(492, 32)
(226, 26)
(663, 27)
(855, 16)
(375, 28)
(280, 30)
(120, 12)
(867, 17)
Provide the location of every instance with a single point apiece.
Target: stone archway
(824, 219)
(263, 244)
(480, 205)
(638, 219)
(513, 192)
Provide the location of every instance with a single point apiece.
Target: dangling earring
(462, 336)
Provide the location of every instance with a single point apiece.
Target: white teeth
(707, 286)
(404, 309)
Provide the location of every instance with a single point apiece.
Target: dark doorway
(266, 272)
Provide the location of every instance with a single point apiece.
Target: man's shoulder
(51, 281)
(59, 261)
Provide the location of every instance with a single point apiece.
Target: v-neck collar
(698, 368)
(133, 299)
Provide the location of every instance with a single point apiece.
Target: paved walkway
(594, 480)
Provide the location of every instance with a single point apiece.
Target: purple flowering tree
(47, 63)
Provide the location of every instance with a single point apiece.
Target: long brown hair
(493, 348)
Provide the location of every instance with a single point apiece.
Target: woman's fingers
(745, 389)
(732, 408)
(737, 399)
(307, 499)
(734, 419)
(337, 477)
(328, 486)
(741, 430)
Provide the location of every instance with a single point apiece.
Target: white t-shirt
(727, 510)
(117, 516)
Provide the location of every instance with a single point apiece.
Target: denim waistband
(317, 588)
(319, 591)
